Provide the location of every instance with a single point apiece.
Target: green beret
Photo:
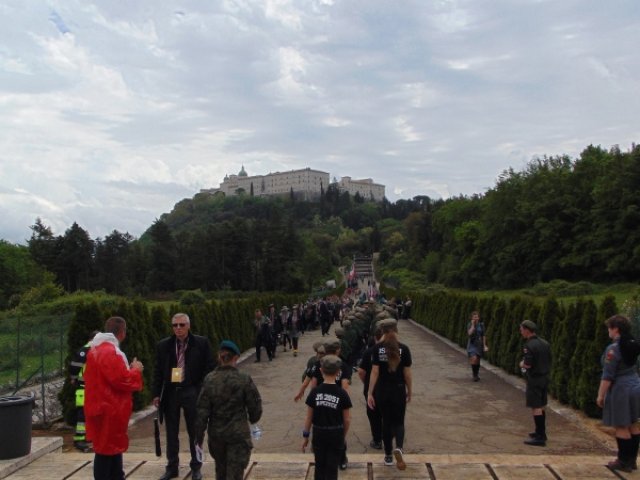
(231, 346)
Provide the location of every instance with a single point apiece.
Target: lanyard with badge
(177, 373)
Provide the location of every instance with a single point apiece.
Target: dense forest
(559, 218)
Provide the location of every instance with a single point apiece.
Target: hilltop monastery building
(306, 184)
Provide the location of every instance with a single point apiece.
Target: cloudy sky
(111, 111)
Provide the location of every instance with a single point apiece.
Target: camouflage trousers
(231, 457)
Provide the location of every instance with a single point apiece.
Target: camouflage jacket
(227, 400)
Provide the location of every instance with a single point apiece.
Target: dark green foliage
(162, 273)
(562, 350)
(582, 364)
(113, 264)
(587, 387)
(18, 273)
(87, 318)
(512, 355)
(548, 318)
(494, 319)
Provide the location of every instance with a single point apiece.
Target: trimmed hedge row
(146, 325)
(575, 331)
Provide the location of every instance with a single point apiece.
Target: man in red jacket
(109, 382)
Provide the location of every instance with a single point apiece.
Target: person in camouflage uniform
(227, 399)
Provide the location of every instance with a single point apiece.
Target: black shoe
(376, 445)
(168, 474)
(536, 441)
(196, 475)
(256, 361)
(617, 464)
(83, 446)
(534, 435)
(476, 378)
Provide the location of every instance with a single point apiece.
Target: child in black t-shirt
(328, 412)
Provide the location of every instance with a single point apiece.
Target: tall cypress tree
(87, 318)
(584, 364)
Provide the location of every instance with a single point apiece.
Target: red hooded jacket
(108, 386)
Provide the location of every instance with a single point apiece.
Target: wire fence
(34, 349)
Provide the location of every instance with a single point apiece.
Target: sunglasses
(176, 325)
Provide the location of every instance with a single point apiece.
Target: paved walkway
(455, 428)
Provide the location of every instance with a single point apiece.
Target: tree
(111, 262)
(75, 259)
(18, 272)
(162, 251)
(43, 246)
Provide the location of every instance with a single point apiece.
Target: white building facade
(305, 184)
(366, 188)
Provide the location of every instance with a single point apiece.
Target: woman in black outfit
(390, 389)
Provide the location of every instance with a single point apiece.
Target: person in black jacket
(364, 372)
(182, 362)
(536, 365)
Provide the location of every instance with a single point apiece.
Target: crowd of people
(215, 397)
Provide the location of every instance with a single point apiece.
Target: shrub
(192, 297)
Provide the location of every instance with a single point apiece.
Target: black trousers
(328, 448)
(375, 422)
(268, 346)
(180, 398)
(391, 401)
(108, 467)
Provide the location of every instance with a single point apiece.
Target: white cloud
(112, 113)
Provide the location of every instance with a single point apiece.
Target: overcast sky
(112, 111)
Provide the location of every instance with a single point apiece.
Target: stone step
(141, 466)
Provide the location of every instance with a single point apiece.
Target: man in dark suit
(182, 362)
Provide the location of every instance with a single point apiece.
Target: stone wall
(52, 409)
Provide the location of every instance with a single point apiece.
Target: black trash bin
(15, 430)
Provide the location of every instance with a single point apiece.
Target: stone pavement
(455, 428)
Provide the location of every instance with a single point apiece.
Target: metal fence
(34, 349)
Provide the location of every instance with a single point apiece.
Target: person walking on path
(477, 343)
(364, 372)
(182, 362)
(536, 365)
(264, 335)
(390, 388)
(276, 325)
(285, 322)
(110, 381)
(294, 328)
(619, 392)
(228, 399)
(328, 413)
